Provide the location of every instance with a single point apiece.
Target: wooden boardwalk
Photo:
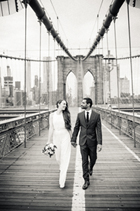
(29, 179)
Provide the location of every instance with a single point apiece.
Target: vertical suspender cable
(103, 74)
(102, 47)
(54, 78)
(108, 67)
(98, 45)
(0, 81)
(118, 84)
(109, 78)
(49, 70)
(107, 43)
(39, 75)
(25, 51)
(58, 55)
(58, 32)
(131, 68)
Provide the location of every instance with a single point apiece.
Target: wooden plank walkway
(29, 179)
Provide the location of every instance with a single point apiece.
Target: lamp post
(110, 65)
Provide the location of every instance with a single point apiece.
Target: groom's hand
(73, 144)
(99, 147)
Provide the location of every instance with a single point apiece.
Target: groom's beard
(83, 107)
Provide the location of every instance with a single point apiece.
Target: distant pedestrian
(109, 106)
(90, 138)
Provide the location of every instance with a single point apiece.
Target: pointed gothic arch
(71, 89)
(79, 67)
(89, 86)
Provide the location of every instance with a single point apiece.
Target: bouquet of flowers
(49, 149)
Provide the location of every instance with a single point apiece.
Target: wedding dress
(61, 138)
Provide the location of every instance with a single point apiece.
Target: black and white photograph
(69, 105)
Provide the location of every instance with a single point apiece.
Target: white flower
(49, 149)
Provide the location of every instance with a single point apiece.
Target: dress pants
(89, 156)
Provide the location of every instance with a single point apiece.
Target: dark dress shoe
(90, 172)
(86, 184)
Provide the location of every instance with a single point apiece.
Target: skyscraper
(17, 85)
(0, 89)
(28, 79)
(18, 97)
(124, 85)
(8, 85)
(46, 72)
(36, 81)
(8, 71)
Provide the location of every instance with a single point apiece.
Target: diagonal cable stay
(40, 12)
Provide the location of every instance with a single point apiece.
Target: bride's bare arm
(50, 129)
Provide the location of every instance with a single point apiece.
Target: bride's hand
(70, 132)
(73, 144)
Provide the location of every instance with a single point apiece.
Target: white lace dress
(61, 138)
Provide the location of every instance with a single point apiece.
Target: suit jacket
(90, 131)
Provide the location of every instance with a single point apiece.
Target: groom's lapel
(83, 117)
(92, 116)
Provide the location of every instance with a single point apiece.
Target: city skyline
(46, 69)
(76, 25)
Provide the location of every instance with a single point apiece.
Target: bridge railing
(12, 132)
(123, 121)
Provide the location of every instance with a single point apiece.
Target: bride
(60, 132)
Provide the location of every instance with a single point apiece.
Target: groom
(90, 138)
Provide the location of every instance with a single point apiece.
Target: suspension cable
(40, 12)
(49, 72)
(113, 10)
(54, 73)
(96, 18)
(25, 73)
(131, 67)
(54, 8)
(19, 58)
(118, 84)
(40, 24)
(108, 70)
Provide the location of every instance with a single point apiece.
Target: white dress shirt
(89, 113)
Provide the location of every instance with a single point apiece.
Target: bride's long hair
(66, 115)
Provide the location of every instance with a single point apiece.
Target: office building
(124, 85)
(46, 75)
(36, 82)
(18, 97)
(8, 86)
(0, 89)
(17, 85)
(28, 79)
(8, 71)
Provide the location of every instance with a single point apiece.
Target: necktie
(87, 116)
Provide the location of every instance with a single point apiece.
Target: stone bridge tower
(93, 64)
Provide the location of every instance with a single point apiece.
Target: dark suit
(90, 136)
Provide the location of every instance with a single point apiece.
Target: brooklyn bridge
(52, 50)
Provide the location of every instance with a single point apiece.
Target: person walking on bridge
(90, 139)
(60, 132)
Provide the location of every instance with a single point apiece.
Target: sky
(77, 25)
(77, 22)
